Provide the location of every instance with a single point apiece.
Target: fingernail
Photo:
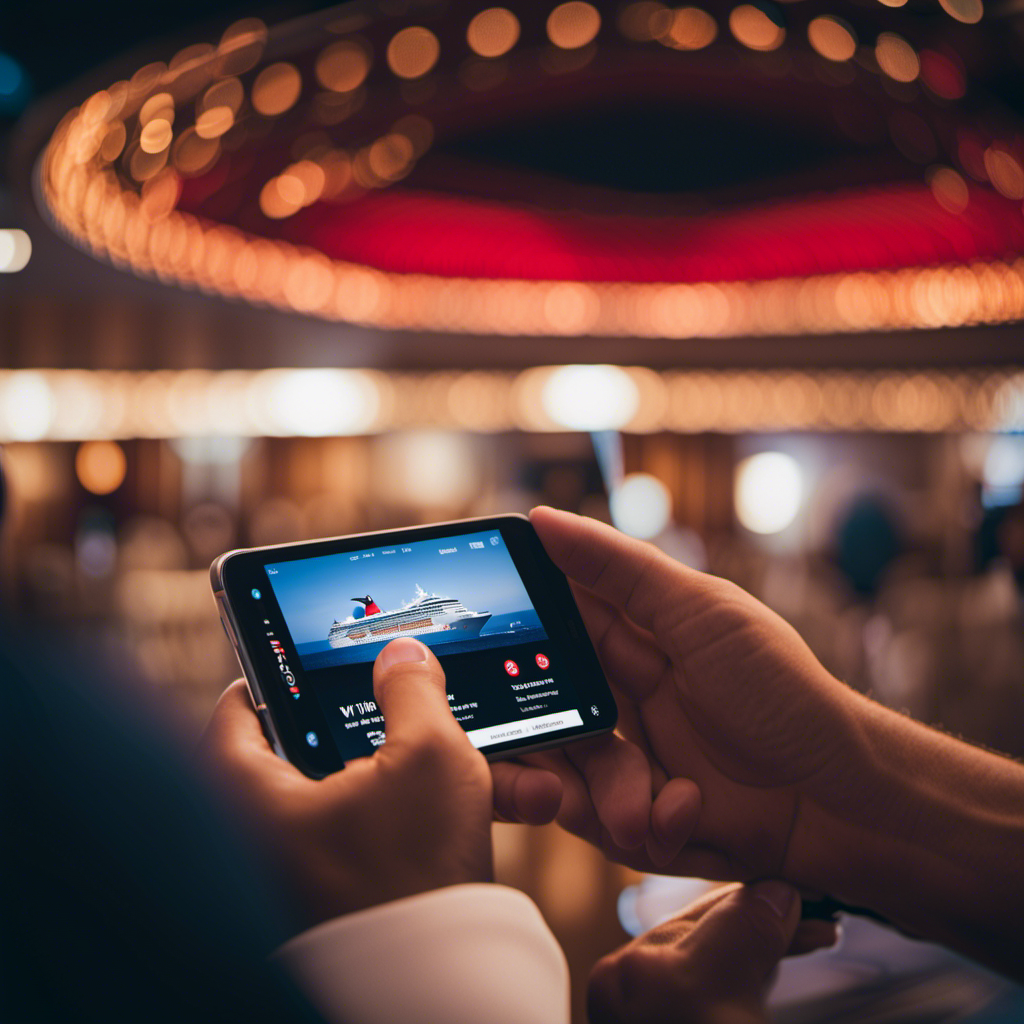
(405, 649)
(777, 895)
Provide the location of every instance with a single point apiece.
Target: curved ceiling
(569, 169)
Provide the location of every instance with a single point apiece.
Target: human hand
(711, 964)
(415, 816)
(757, 763)
(746, 736)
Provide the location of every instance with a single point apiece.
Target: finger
(618, 778)
(813, 935)
(234, 728)
(578, 815)
(674, 816)
(409, 685)
(629, 656)
(740, 940)
(625, 572)
(525, 794)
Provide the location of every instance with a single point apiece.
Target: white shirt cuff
(465, 954)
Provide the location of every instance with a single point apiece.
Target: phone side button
(268, 730)
(225, 622)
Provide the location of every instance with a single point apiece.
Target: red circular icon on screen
(511, 667)
(543, 661)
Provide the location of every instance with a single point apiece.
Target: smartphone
(307, 621)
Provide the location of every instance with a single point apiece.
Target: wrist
(924, 829)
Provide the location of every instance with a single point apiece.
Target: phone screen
(496, 613)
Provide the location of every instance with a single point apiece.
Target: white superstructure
(425, 613)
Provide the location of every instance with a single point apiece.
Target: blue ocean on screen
(510, 628)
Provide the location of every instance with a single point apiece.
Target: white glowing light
(1004, 463)
(317, 403)
(15, 250)
(84, 406)
(210, 451)
(26, 406)
(768, 492)
(590, 397)
(641, 506)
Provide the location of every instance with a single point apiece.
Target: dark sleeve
(125, 896)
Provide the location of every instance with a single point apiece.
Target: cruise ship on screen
(425, 613)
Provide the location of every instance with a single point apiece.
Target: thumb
(409, 685)
(741, 939)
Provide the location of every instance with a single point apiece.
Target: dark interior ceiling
(644, 147)
(639, 145)
(656, 147)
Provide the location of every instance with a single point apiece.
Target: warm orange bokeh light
(312, 178)
(690, 28)
(390, 157)
(113, 142)
(192, 154)
(413, 52)
(754, 29)
(274, 204)
(1005, 173)
(228, 92)
(832, 38)
(100, 466)
(159, 106)
(276, 89)
(93, 406)
(343, 66)
(213, 123)
(492, 33)
(968, 11)
(241, 46)
(573, 25)
(897, 58)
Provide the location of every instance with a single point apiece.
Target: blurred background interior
(744, 279)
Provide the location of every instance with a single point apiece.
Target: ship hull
(367, 631)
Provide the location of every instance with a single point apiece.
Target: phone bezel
(232, 573)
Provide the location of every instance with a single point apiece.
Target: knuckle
(604, 992)
(764, 927)
(635, 969)
(638, 983)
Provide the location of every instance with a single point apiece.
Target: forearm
(931, 836)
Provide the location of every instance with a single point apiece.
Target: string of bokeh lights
(113, 172)
(80, 405)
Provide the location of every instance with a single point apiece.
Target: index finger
(625, 572)
(234, 727)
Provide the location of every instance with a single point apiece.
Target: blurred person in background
(868, 540)
(1000, 537)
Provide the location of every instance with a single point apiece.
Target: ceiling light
(641, 506)
(590, 397)
(768, 492)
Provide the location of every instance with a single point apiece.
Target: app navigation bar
(524, 729)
